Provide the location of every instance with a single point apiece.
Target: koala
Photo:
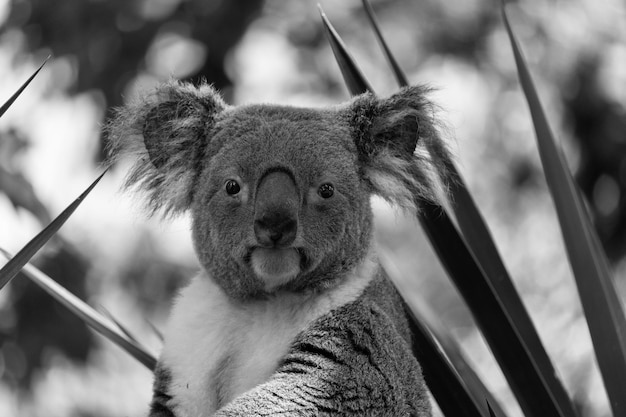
(291, 313)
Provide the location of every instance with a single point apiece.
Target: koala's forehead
(260, 136)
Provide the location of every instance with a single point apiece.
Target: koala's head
(279, 196)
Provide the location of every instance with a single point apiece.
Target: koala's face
(280, 202)
(279, 196)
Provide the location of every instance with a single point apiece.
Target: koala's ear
(166, 132)
(401, 154)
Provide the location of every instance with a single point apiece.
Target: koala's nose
(275, 229)
(276, 210)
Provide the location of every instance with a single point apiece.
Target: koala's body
(291, 313)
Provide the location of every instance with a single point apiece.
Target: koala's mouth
(277, 266)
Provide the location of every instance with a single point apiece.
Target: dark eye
(232, 187)
(326, 190)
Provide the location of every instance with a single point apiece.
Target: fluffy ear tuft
(167, 133)
(400, 151)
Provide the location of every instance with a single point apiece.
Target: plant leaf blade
(395, 67)
(14, 97)
(122, 328)
(440, 339)
(602, 307)
(87, 314)
(449, 390)
(352, 75)
(481, 277)
(510, 350)
(28, 251)
(479, 239)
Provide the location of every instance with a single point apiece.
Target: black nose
(276, 228)
(276, 210)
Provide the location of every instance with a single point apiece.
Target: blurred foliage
(43, 326)
(153, 280)
(599, 126)
(12, 183)
(111, 43)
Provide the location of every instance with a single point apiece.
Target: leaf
(510, 350)
(352, 75)
(87, 314)
(601, 304)
(156, 331)
(23, 256)
(448, 347)
(119, 325)
(10, 101)
(397, 71)
(450, 391)
(484, 283)
(475, 386)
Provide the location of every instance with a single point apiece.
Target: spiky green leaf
(489, 295)
(601, 304)
(352, 75)
(427, 320)
(10, 101)
(477, 236)
(23, 256)
(395, 67)
(156, 331)
(88, 315)
(475, 385)
(122, 328)
(450, 391)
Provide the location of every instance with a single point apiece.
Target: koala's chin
(275, 266)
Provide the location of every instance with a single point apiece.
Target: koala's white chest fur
(217, 349)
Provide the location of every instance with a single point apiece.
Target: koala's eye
(232, 187)
(326, 190)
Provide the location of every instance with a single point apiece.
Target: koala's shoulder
(364, 348)
(378, 309)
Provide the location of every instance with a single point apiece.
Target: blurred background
(111, 255)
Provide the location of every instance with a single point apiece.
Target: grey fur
(356, 359)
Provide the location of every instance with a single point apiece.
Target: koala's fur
(291, 313)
